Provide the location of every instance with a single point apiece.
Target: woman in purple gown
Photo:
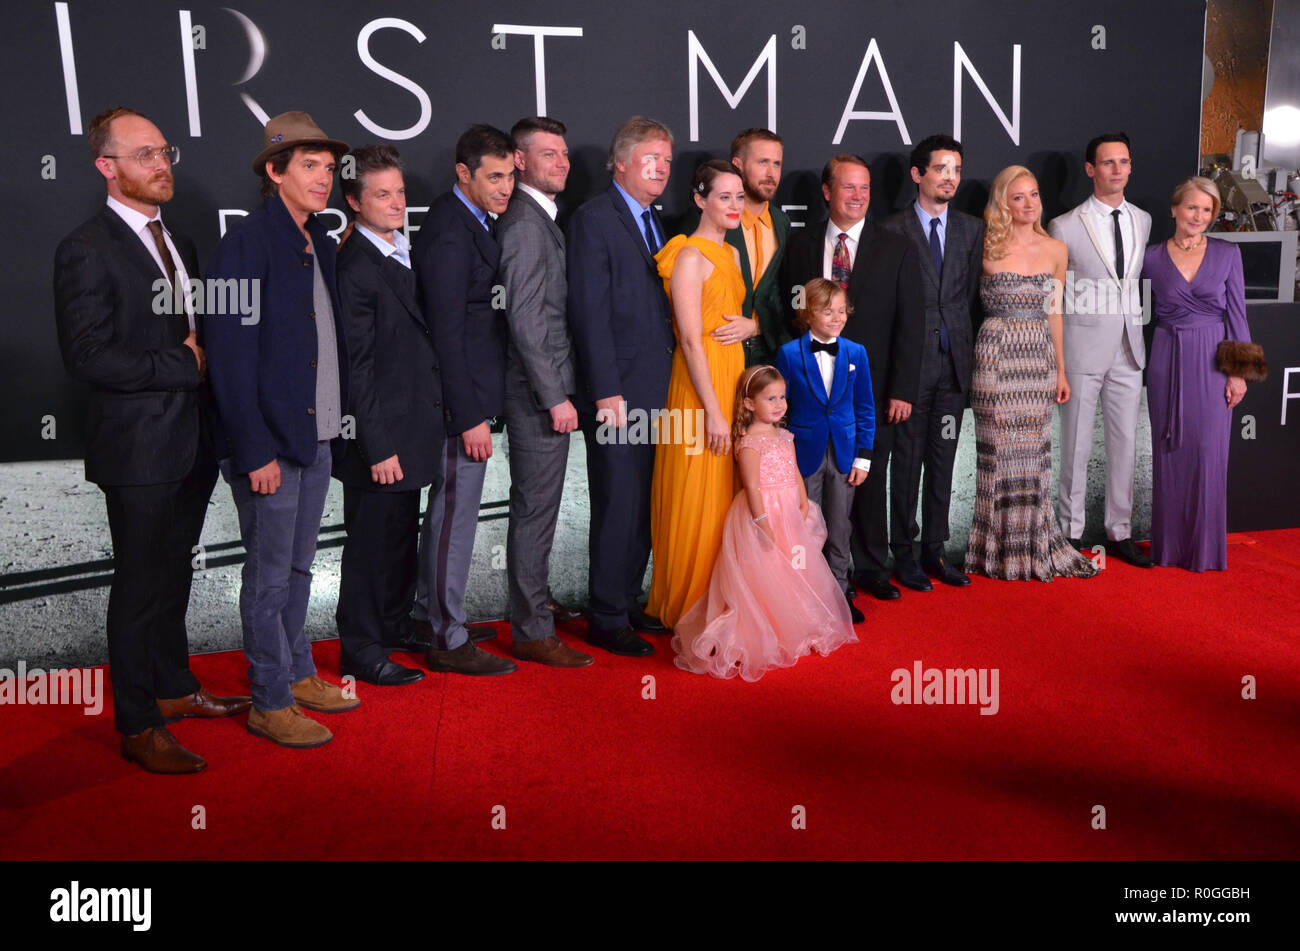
(1200, 301)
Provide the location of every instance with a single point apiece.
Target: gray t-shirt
(328, 410)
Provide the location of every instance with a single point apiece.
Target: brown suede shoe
(159, 752)
(552, 652)
(315, 694)
(288, 727)
(202, 704)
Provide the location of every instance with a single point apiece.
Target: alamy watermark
(222, 297)
(931, 685)
(1129, 297)
(657, 427)
(78, 687)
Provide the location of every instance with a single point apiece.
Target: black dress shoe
(419, 636)
(941, 569)
(640, 621)
(562, 614)
(880, 589)
(469, 659)
(383, 673)
(858, 616)
(909, 574)
(1125, 550)
(478, 633)
(623, 641)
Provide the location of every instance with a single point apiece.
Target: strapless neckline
(989, 277)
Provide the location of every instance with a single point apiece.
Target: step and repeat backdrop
(1017, 82)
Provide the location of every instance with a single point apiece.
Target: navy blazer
(392, 369)
(618, 311)
(456, 261)
(846, 419)
(263, 374)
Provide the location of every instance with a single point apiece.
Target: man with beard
(116, 280)
(760, 240)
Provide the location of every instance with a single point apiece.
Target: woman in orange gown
(694, 474)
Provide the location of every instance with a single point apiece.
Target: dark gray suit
(539, 376)
(929, 436)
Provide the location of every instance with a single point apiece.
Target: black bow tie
(832, 348)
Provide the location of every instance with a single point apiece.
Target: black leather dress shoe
(909, 574)
(383, 673)
(1125, 550)
(857, 615)
(419, 636)
(623, 641)
(880, 589)
(562, 614)
(640, 621)
(942, 570)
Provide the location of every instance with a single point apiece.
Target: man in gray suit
(539, 413)
(951, 245)
(1104, 351)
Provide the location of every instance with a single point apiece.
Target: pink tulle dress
(768, 604)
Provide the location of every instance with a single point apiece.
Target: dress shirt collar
(751, 220)
(478, 212)
(925, 217)
(833, 231)
(136, 221)
(1101, 210)
(548, 204)
(400, 248)
(820, 340)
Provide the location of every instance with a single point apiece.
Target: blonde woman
(1019, 372)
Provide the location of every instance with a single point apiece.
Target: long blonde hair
(997, 216)
(752, 382)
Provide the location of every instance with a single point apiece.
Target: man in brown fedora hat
(279, 376)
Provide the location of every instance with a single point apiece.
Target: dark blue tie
(651, 242)
(936, 252)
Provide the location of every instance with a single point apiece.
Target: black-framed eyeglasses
(148, 157)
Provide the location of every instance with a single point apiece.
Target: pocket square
(852, 367)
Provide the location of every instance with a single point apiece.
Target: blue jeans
(279, 533)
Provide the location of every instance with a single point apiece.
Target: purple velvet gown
(1190, 420)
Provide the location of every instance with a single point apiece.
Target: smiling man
(281, 388)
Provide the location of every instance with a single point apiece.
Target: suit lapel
(913, 225)
(632, 225)
(840, 378)
(736, 239)
(391, 270)
(530, 203)
(132, 246)
(812, 370)
(863, 253)
(1092, 236)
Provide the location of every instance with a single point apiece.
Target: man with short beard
(115, 285)
(760, 241)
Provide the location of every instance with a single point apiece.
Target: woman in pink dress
(772, 597)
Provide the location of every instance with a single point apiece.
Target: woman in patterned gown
(1019, 372)
(694, 474)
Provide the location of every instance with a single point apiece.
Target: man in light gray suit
(950, 244)
(1104, 351)
(539, 413)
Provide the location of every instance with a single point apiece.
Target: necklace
(1200, 238)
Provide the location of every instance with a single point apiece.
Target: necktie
(650, 240)
(169, 265)
(833, 348)
(936, 252)
(1119, 245)
(491, 225)
(841, 267)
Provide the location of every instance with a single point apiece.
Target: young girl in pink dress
(772, 597)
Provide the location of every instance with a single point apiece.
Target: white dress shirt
(1103, 227)
(139, 223)
(400, 248)
(548, 204)
(833, 233)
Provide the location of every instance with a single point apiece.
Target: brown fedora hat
(290, 129)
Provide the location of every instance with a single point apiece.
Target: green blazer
(765, 299)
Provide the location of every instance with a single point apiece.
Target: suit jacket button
(437, 402)
(312, 315)
(311, 411)
(306, 262)
(313, 363)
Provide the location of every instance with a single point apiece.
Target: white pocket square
(852, 367)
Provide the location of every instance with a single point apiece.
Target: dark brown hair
(739, 143)
(707, 173)
(367, 159)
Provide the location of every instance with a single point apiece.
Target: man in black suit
(622, 330)
(883, 278)
(456, 258)
(116, 279)
(397, 403)
(539, 413)
(950, 246)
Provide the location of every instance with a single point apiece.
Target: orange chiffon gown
(693, 488)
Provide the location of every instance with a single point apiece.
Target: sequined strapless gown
(1014, 534)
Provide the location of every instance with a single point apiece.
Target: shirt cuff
(863, 464)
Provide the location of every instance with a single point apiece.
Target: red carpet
(1122, 691)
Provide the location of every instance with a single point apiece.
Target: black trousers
(154, 529)
(870, 517)
(378, 571)
(928, 439)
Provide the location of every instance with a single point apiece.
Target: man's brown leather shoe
(552, 652)
(159, 752)
(562, 614)
(202, 704)
(288, 727)
(322, 696)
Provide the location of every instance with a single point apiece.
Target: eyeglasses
(148, 157)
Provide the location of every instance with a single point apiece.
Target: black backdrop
(1083, 68)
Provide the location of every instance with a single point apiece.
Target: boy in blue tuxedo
(832, 416)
